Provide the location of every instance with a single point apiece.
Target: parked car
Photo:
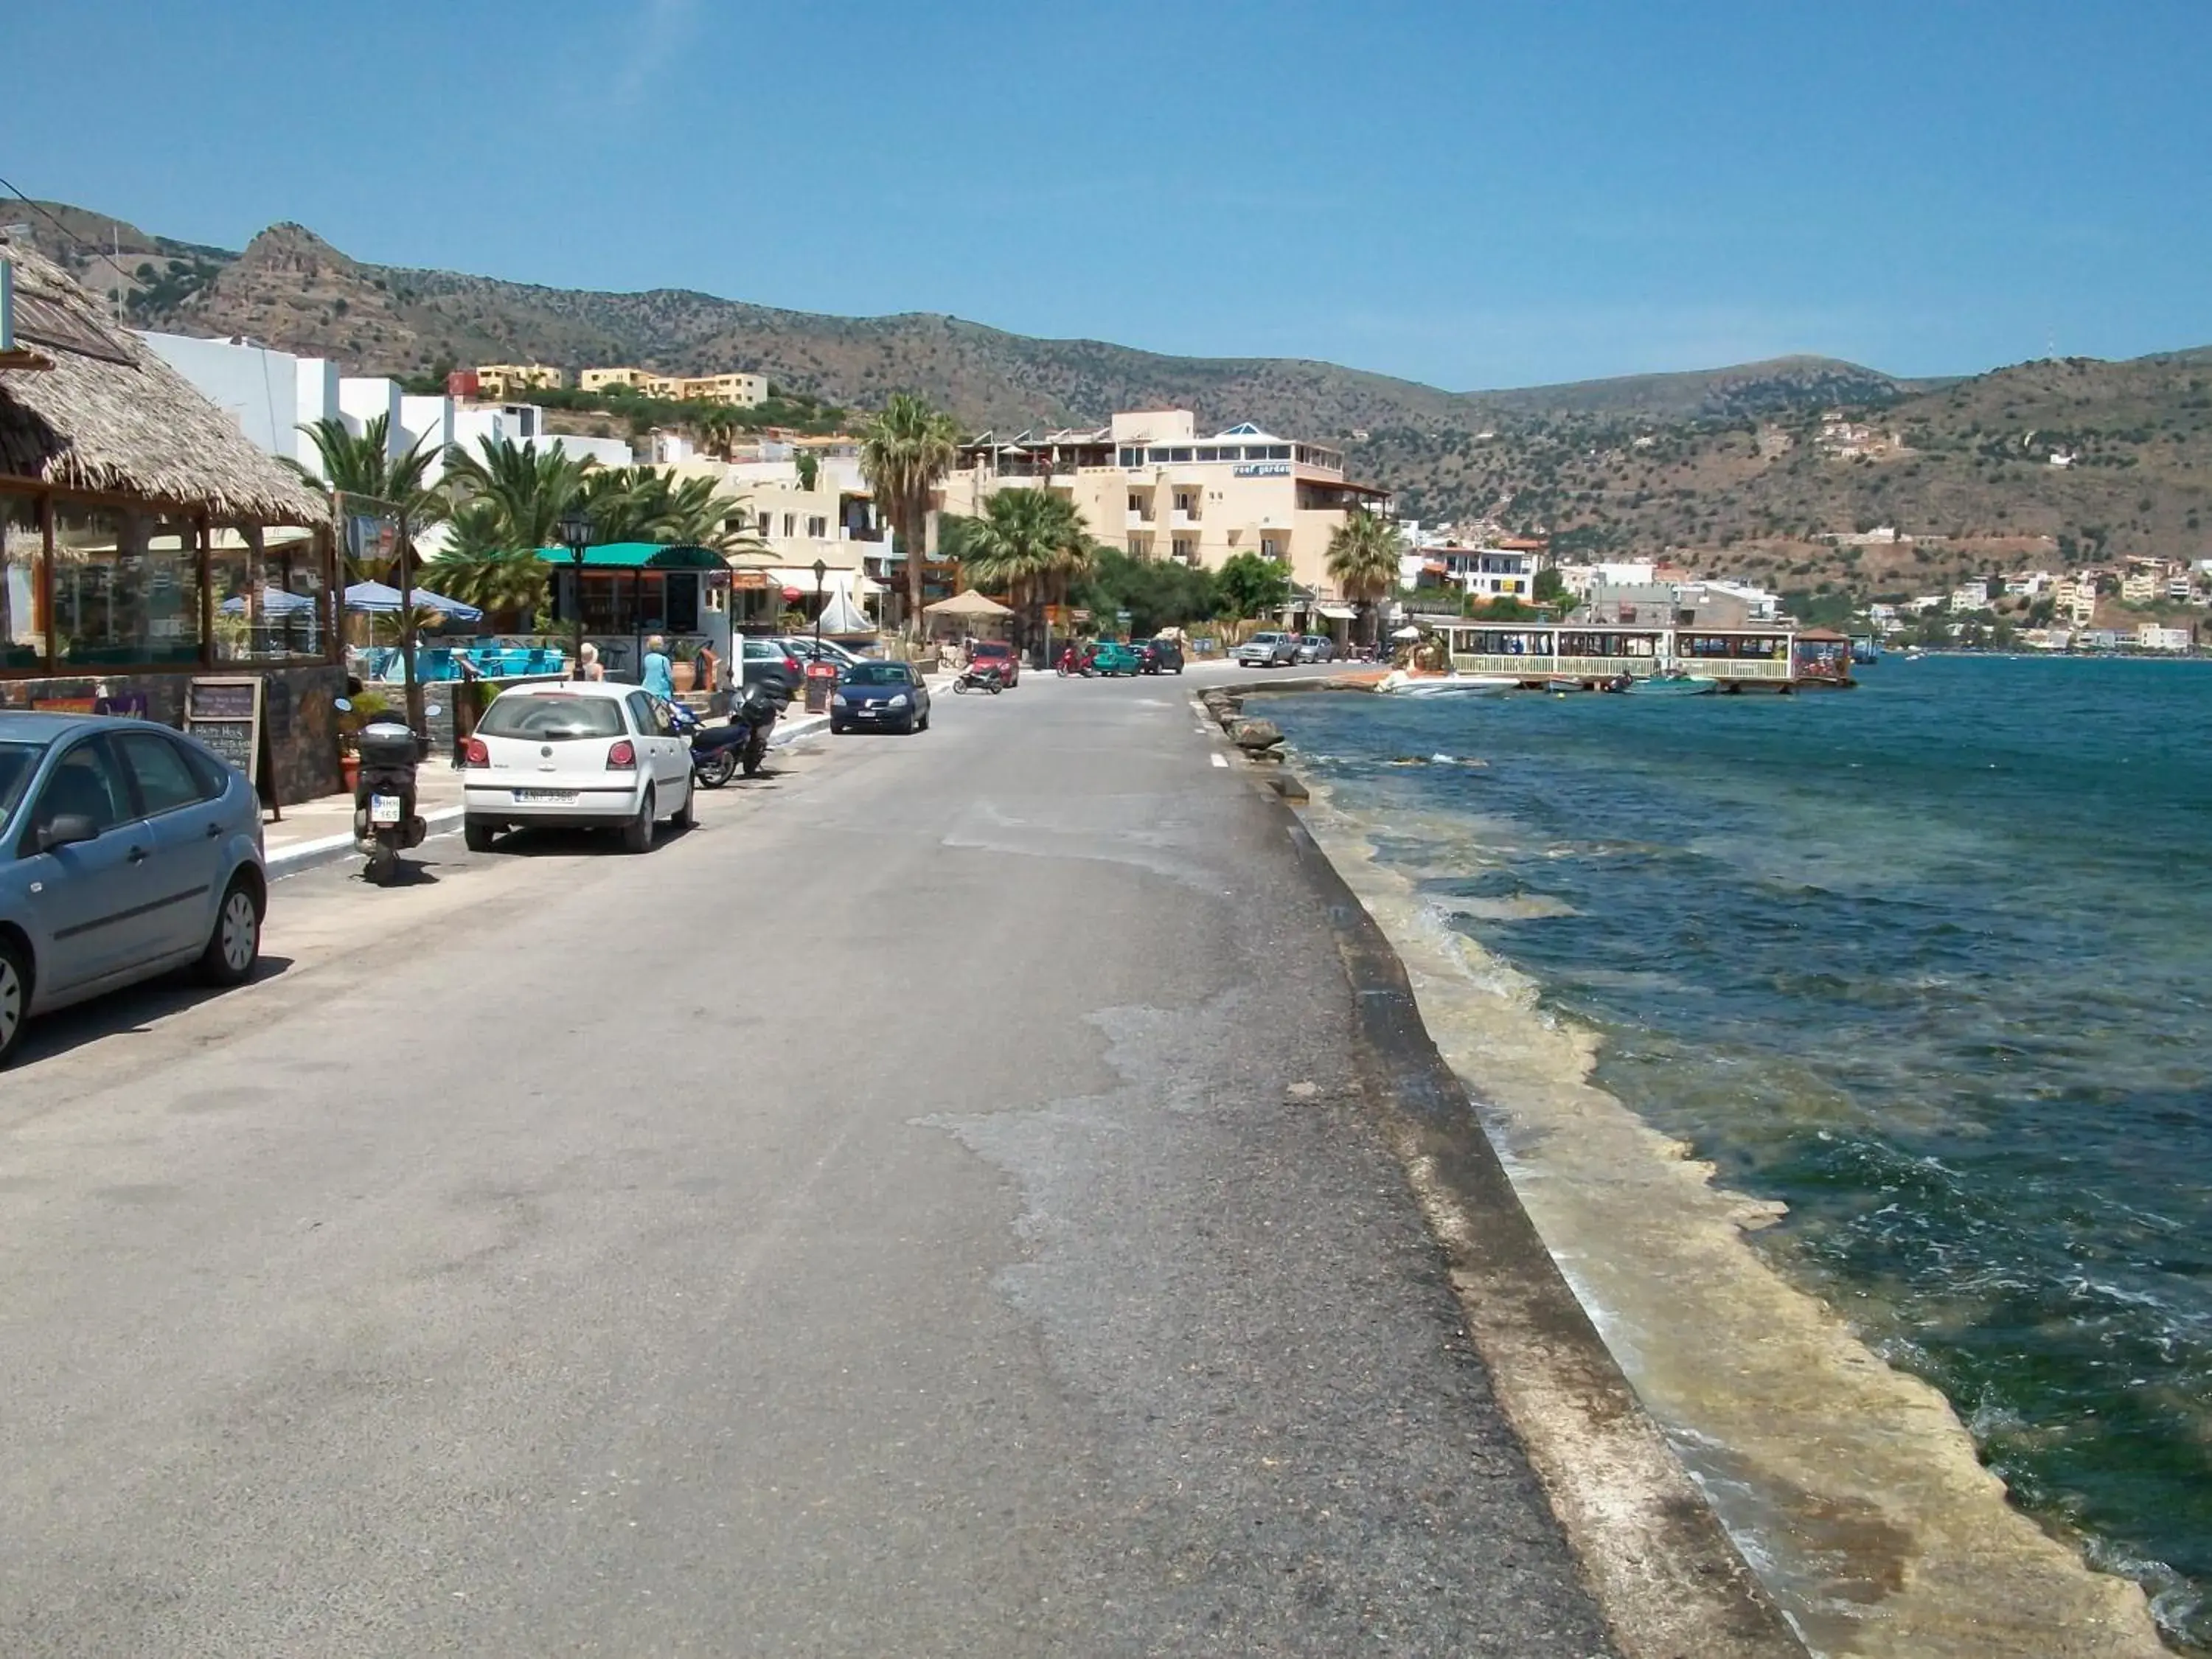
(997, 653)
(1112, 657)
(770, 662)
(1315, 647)
(1268, 650)
(126, 850)
(575, 754)
(1159, 656)
(884, 696)
(805, 649)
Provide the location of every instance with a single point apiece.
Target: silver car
(1316, 647)
(126, 849)
(1267, 650)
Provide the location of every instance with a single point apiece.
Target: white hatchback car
(575, 754)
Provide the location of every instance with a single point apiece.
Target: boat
(1563, 686)
(1399, 684)
(1672, 683)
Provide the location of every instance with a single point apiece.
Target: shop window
(22, 546)
(271, 602)
(126, 588)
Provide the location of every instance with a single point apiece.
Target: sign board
(1264, 469)
(129, 706)
(1123, 617)
(227, 715)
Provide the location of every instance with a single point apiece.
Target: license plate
(544, 794)
(384, 808)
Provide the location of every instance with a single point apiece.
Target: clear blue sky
(1474, 195)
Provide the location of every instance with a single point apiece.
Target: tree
(1025, 541)
(1156, 592)
(1251, 585)
(904, 450)
(809, 466)
(527, 487)
(363, 468)
(1363, 562)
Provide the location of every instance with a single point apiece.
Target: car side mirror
(66, 829)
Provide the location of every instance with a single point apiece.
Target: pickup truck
(1268, 650)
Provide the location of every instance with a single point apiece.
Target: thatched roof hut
(110, 416)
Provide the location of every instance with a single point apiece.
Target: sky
(1475, 195)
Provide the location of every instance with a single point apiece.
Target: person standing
(659, 677)
(592, 667)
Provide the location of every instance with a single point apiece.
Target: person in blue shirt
(659, 677)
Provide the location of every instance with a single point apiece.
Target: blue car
(126, 850)
(889, 695)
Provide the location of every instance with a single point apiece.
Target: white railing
(1524, 666)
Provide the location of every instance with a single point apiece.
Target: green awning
(638, 555)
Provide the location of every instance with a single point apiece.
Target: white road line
(1219, 759)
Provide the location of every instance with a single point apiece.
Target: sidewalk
(320, 831)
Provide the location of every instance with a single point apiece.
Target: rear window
(994, 651)
(17, 761)
(551, 718)
(876, 674)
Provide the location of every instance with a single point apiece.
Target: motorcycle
(718, 752)
(1073, 662)
(973, 678)
(384, 821)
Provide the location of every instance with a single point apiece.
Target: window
(17, 761)
(1136, 504)
(22, 550)
(818, 526)
(551, 718)
(126, 587)
(1136, 547)
(791, 524)
(165, 781)
(271, 603)
(1271, 547)
(85, 785)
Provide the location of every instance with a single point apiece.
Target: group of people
(656, 673)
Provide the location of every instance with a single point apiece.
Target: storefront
(145, 542)
(629, 592)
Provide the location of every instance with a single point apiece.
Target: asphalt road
(927, 1209)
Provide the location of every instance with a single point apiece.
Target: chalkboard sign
(226, 716)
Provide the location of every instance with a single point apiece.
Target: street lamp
(575, 529)
(820, 569)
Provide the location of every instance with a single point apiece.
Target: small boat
(1563, 686)
(1398, 683)
(1673, 682)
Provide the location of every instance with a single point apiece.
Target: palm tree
(1362, 560)
(716, 427)
(530, 488)
(904, 450)
(363, 468)
(1026, 540)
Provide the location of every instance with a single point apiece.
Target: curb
(329, 849)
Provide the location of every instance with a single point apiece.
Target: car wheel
(906, 727)
(925, 721)
(837, 730)
(234, 945)
(637, 834)
(14, 996)
(686, 817)
(477, 835)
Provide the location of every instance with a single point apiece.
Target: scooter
(384, 821)
(718, 751)
(973, 678)
(1073, 662)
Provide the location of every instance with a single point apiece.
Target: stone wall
(302, 725)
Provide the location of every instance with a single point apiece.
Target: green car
(1115, 657)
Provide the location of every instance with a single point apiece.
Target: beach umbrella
(379, 600)
(1407, 633)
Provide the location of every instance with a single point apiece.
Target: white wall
(270, 394)
(362, 397)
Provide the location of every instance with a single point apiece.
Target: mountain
(1737, 466)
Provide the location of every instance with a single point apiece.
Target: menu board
(226, 716)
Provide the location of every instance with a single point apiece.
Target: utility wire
(82, 246)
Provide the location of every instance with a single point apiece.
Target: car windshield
(988, 650)
(551, 718)
(876, 673)
(17, 761)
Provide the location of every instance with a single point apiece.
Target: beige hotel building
(1148, 483)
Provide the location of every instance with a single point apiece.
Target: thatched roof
(110, 415)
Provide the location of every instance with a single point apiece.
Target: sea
(1925, 966)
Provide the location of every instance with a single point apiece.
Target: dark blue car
(126, 849)
(888, 695)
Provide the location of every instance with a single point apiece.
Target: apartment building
(740, 391)
(1149, 483)
(498, 380)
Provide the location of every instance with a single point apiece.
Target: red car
(996, 653)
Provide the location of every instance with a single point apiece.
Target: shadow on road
(123, 1012)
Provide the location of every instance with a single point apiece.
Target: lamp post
(575, 529)
(820, 569)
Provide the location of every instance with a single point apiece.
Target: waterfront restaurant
(145, 541)
(1776, 656)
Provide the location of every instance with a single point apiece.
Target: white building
(1579, 579)
(270, 394)
(1970, 596)
(2158, 636)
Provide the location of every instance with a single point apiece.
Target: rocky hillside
(1742, 465)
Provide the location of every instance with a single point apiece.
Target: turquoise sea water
(1930, 961)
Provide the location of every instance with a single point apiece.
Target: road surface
(927, 1209)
